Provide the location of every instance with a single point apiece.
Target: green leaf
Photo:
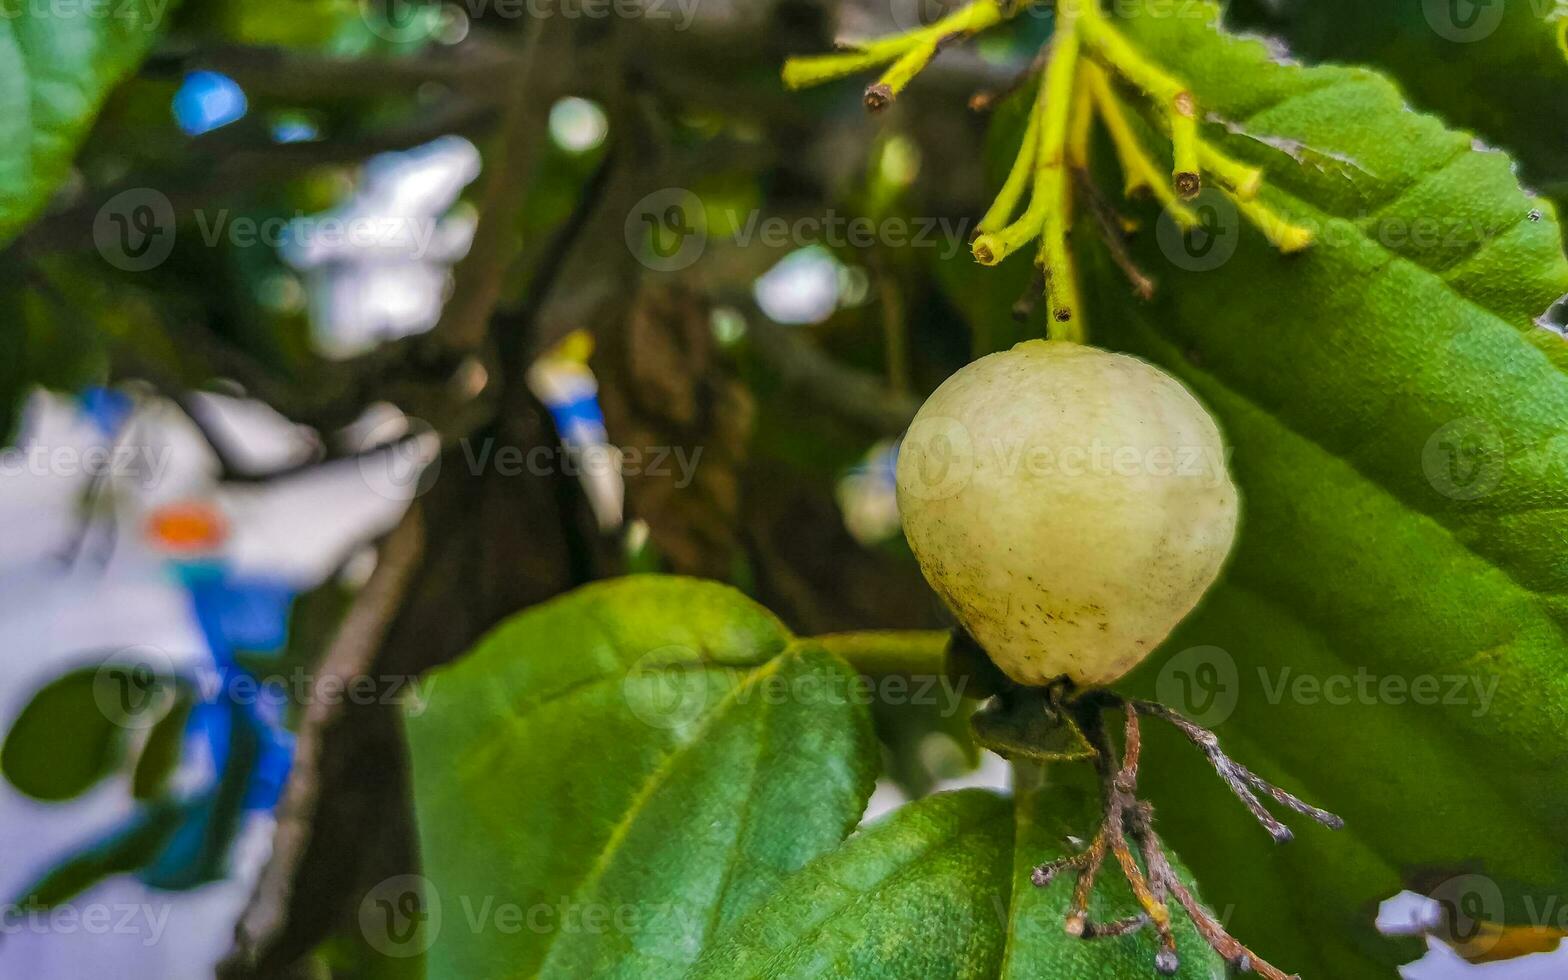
(1496, 67)
(1397, 422)
(160, 755)
(62, 743)
(58, 63)
(920, 894)
(76, 729)
(724, 755)
(940, 888)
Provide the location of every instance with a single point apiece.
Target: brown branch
(305, 77)
(479, 278)
(1109, 224)
(855, 396)
(350, 655)
(987, 99)
(219, 165)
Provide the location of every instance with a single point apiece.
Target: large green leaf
(654, 753)
(57, 65)
(941, 888)
(920, 894)
(729, 763)
(1492, 65)
(1398, 423)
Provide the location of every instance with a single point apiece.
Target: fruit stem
(1006, 203)
(1112, 228)
(1055, 99)
(1282, 233)
(1074, 86)
(1172, 97)
(1138, 170)
(878, 653)
(1242, 181)
(1082, 119)
(909, 51)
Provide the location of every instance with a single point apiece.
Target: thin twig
(804, 370)
(987, 99)
(480, 277)
(349, 656)
(1125, 816)
(296, 76)
(1239, 778)
(1110, 226)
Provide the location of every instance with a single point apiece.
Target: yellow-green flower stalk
(1088, 54)
(1139, 172)
(909, 53)
(1055, 103)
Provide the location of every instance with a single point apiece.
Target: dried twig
(1110, 225)
(1125, 816)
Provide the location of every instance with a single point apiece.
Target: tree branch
(851, 394)
(350, 655)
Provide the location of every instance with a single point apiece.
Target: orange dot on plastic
(187, 527)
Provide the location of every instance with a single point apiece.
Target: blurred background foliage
(795, 366)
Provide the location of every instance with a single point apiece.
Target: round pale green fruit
(1069, 504)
